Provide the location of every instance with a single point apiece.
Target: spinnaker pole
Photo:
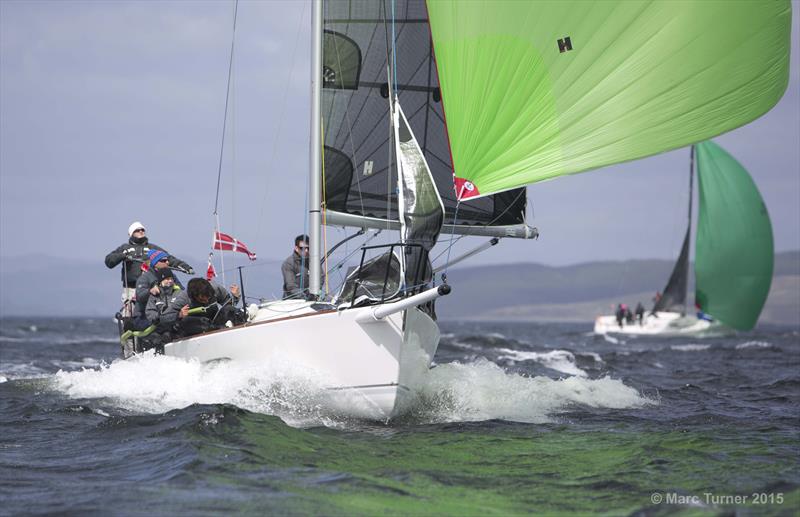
(315, 177)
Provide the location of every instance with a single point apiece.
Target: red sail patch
(465, 189)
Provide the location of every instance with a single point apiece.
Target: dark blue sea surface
(514, 419)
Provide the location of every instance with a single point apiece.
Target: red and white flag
(225, 242)
(210, 272)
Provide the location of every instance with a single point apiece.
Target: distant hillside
(582, 292)
(526, 291)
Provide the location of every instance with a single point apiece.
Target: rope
(455, 218)
(281, 116)
(227, 96)
(394, 52)
(324, 209)
(450, 247)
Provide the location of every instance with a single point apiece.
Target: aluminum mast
(315, 178)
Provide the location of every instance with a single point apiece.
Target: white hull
(664, 324)
(370, 369)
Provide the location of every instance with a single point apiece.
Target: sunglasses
(138, 230)
(164, 260)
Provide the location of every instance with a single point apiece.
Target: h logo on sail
(564, 44)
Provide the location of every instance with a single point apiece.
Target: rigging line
(394, 53)
(221, 252)
(324, 208)
(391, 124)
(227, 96)
(338, 265)
(455, 218)
(452, 233)
(282, 114)
(350, 133)
(349, 127)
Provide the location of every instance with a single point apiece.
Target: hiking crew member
(158, 302)
(295, 270)
(219, 304)
(132, 254)
(147, 285)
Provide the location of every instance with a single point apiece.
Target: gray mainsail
(360, 176)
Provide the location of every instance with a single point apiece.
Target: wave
(482, 390)
(691, 347)
(12, 371)
(157, 384)
(559, 360)
(478, 390)
(753, 344)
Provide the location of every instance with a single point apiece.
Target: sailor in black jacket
(132, 254)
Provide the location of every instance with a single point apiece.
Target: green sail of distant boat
(734, 247)
(536, 90)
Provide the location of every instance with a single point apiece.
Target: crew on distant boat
(620, 314)
(147, 285)
(701, 315)
(295, 270)
(656, 299)
(640, 313)
(132, 254)
(628, 315)
(219, 305)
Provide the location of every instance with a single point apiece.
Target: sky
(112, 111)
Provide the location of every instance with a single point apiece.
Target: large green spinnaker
(734, 248)
(535, 90)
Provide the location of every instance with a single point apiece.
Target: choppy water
(515, 418)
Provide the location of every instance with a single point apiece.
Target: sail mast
(314, 181)
(689, 230)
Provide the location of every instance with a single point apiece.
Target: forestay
(536, 90)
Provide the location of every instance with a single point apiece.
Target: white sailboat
(670, 314)
(734, 257)
(521, 108)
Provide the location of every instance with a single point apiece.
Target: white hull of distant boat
(370, 367)
(664, 324)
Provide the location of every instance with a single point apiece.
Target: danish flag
(225, 242)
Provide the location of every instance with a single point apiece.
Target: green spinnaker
(642, 77)
(734, 253)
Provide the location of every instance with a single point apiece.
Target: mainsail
(359, 163)
(734, 254)
(673, 299)
(536, 90)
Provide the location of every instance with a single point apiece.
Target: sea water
(513, 419)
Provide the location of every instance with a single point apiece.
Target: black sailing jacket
(132, 265)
